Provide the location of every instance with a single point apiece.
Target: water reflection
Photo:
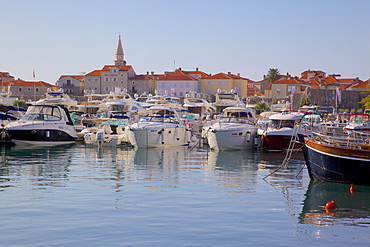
(353, 209)
(41, 166)
(232, 160)
(289, 175)
(235, 170)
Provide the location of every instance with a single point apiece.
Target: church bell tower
(120, 56)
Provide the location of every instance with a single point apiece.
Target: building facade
(177, 83)
(72, 84)
(226, 83)
(28, 90)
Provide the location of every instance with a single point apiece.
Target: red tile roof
(77, 77)
(288, 81)
(5, 74)
(121, 68)
(108, 68)
(305, 74)
(178, 75)
(94, 73)
(253, 91)
(147, 77)
(197, 72)
(363, 84)
(349, 80)
(20, 83)
(218, 76)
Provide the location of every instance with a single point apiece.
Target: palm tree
(272, 76)
(261, 107)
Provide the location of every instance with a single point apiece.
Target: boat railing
(355, 139)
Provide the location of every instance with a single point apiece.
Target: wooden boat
(344, 159)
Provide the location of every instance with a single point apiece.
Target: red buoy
(352, 188)
(330, 205)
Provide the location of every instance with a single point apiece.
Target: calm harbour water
(82, 196)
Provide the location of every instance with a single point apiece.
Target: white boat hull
(167, 135)
(231, 137)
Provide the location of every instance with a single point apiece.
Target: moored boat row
(120, 120)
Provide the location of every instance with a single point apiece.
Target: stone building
(72, 84)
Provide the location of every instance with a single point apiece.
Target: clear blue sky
(56, 37)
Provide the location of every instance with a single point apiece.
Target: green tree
(366, 101)
(272, 76)
(19, 103)
(261, 107)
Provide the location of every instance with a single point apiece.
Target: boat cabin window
(241, 114)
(195, 100)
(120, 108)
(312, 119)
(282, 124)
(42, 113)
(197, 110)
(161, 112)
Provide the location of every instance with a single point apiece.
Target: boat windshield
(42, 113)
(163, 119)
(312, 119)
(235, 120)
(282, 123)
(226, 96)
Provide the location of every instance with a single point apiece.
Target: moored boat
(108, 133)
(43, 125)
(226, 99)
(57, 97)
(162, 128)
(277, 134)
(199, 106)
(359, 122)
(235, 129)
(344, 159)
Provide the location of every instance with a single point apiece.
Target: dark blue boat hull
(324, 165)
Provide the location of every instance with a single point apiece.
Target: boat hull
(231, 139)
(158, 137)
(337, 164)
(40, 136)
(278, 143)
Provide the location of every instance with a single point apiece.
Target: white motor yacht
(235, 129)
(162, 128)
(358, 122)
(225, 99)
(199, 106)
(57, 97)
(43, 125)
(109, 133)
